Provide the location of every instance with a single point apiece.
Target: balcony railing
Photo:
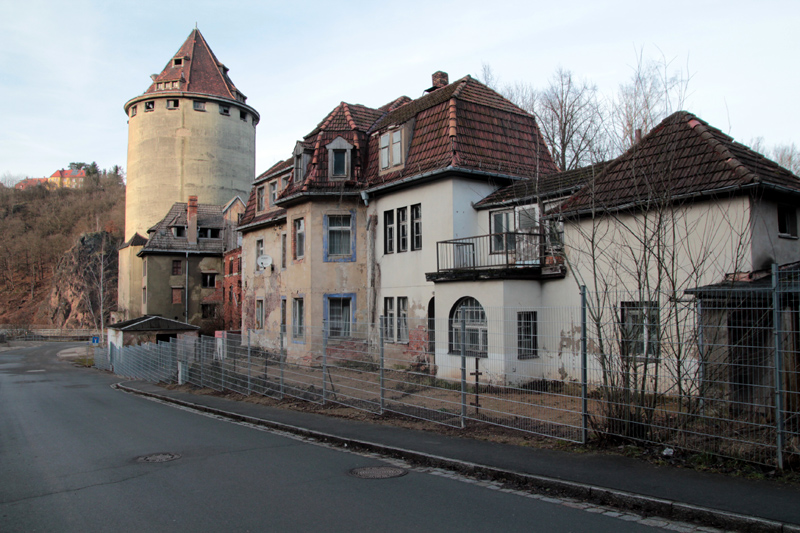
(498, 250)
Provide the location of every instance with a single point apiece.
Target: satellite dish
(264, 261)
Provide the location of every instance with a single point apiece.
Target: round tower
(190, 133)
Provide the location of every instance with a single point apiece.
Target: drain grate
(158, 458)
(378, 472)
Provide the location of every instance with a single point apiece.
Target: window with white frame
(298, 318)
(299, 238)
(402, 229)
(527, 342)
(416, 227)
(468, 314)
(391, 149)
(402, 319)
(339, 242)
(273, 192)
(388, 319)
(640, 330)
(260, 199)
(388, 231)
(502, 226)
(339, 316)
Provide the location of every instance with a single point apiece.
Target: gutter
(433, 173)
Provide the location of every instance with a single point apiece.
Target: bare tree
(655, 90)
(571, 119)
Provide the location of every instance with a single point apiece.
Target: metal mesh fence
(696, 370)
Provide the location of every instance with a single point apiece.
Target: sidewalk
(669, 492)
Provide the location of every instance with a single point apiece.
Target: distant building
(29, 183)
(69, 178)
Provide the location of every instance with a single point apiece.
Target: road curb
(627, 501)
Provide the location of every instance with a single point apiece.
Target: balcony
(497, 256)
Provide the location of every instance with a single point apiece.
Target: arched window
(469, 312)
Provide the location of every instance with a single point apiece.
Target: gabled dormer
(339, 159)
(302, 160)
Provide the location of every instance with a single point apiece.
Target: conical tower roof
(195, 69)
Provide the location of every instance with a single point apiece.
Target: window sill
(787, 236)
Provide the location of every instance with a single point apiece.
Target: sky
(68, 67)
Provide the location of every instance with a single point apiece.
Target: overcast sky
(67, 67)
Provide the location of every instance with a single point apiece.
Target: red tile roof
(71, 173)
(28, 183)
(681, 157)
(199, 72)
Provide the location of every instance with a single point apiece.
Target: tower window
(199, 106)
(243, 115)
(173, 104)
(149, 106)
(133, 111)
(224, 110)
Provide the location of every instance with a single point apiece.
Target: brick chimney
(439, 79)
(191, 220)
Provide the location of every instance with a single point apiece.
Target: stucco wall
(174, 153)
(129, 295)
(768, 246)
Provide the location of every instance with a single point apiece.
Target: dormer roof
(197, 70)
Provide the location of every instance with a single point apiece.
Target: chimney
(439, 79)
(191, 220)
(637, 136)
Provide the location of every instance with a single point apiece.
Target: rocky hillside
(39, 227)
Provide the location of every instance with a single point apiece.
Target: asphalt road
(69, 445)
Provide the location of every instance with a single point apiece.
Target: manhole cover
(158, 458)
(378, 472)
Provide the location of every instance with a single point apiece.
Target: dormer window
(149, 106)
(339, 159)
(160, 86)
(173, 103)
(391, 149)
(177, 62)
(179, 231)
(273, 192)
(302, 158)
(260, 199)
(208, 233)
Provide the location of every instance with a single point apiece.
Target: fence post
(199, 345)
(463, 336)
(249, 382)
(283, 356)
(776, 326)
(383, 389)
(324, 357)
(584, 372)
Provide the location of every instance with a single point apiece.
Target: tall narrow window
(177, 267)
(402, 319)
(298, 319)
(283, 251)
(283, 315)
(416, 227)
(273, 192)
(787, 221)
(397, 151)
(402, 229)
(260, 199)
(339, 163)
(299, 238)
(259, 252)
(144, 267)
(144, 295)
(339, 317)
(339, 241)
(259, 314)
(527, 347)
(388, 319)
(502, 224)
(177, 295)
(388, 231)
(385, 150)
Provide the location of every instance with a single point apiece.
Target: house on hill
(71, 178)
(29, 183)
